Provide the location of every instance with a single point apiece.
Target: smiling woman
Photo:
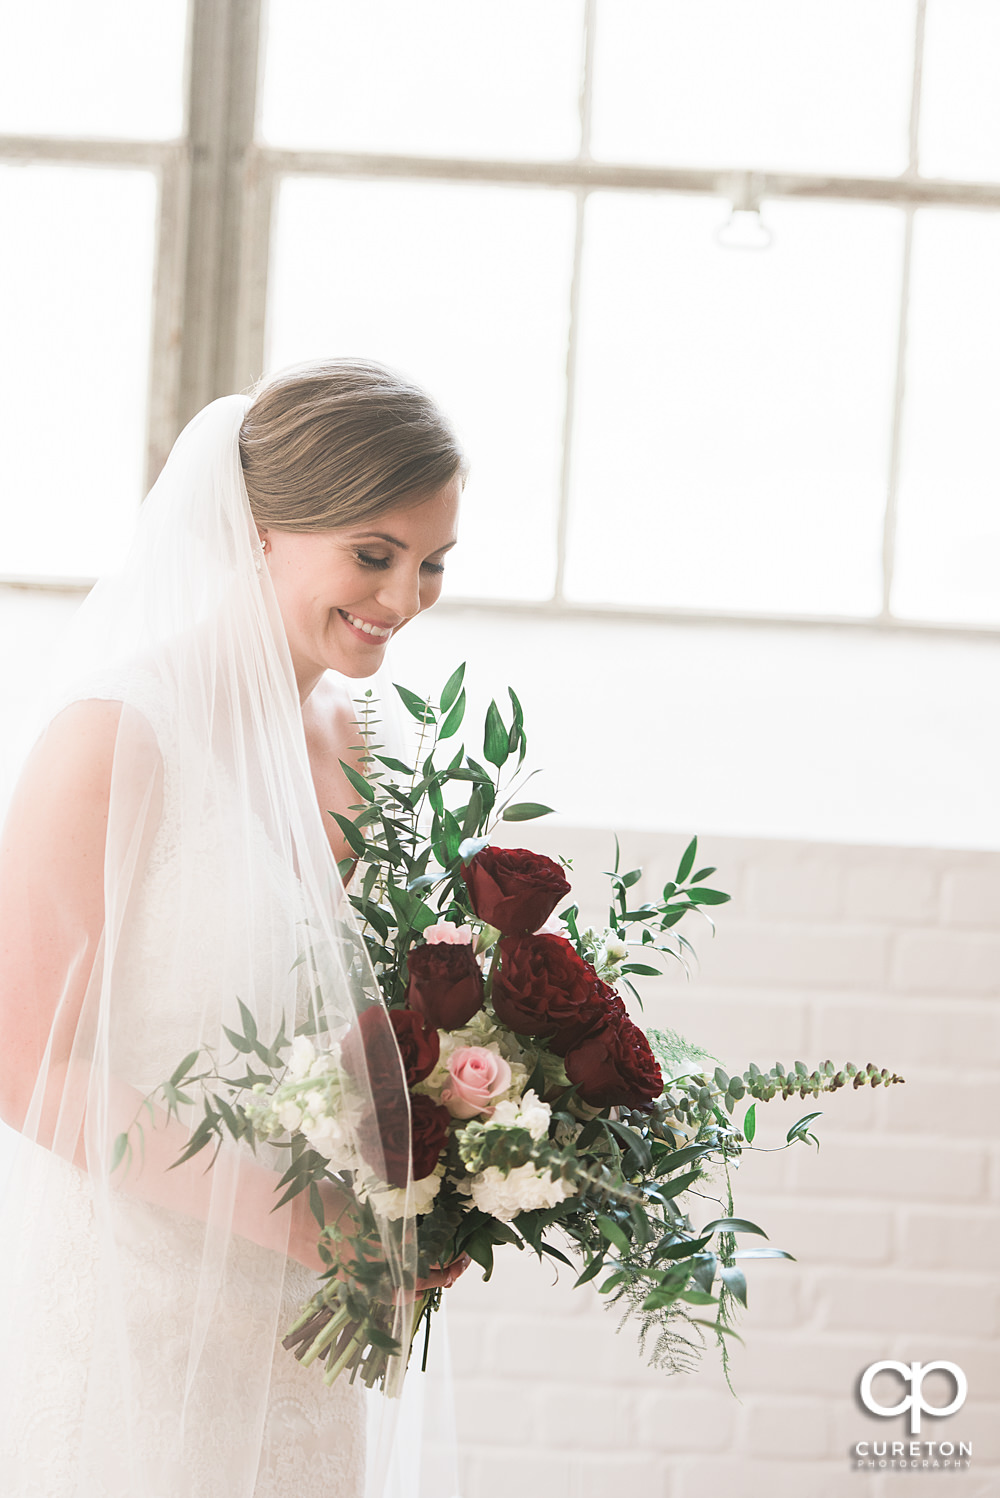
(168, 857)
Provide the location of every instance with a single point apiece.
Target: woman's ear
(263, 534)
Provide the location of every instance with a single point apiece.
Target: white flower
(535, 1115)
(521, 1190)
(615, 950)
(289, 1115)
(302, 1057)
(326, 1062)
(528, 1112)
(391, 1201)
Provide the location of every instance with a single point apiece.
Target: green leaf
(687, 860)
(732, 1225)
(592, 1270)
(495, 738)
(634, 1142)
(421, 710)
(750, 1123)
(453, 722)
(393, 764)
(358, 781)
(474, 813)
(525, 811)
(611, 1230)
(237, 1041)
(676, 1158)
(674, 1188)
(735, 1281)
(316, 1204)
(799, 1130)
(182, 1070)
(546, 1248)
(657, 1299)
(643, 969)
(701, 874)
(763, 1253)
(611, 1281)
(249, 1023)
(451, 688)
(707, 897)
(118, 1153)
(354, 838)
(683, 1250)
(698, 1298)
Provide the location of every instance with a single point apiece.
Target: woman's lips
(366, 629)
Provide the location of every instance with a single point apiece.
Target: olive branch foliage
(633, 1171)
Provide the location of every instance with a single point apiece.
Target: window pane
(467, 290)
(734, 407)
(78, 244)
(960, 93)
(444, 78)
(817, 87)
(948, 532)
(105, 68)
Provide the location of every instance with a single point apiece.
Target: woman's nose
(400, 593)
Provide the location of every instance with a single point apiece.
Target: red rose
(446, 983)
(615, 1065)
(514, 889)
(371, 1055)
(543, 987)
(419, 1044)
(430, 1134)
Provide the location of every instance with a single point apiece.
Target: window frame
(217, 186)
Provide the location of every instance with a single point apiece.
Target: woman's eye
(434, 567)
(369, 561)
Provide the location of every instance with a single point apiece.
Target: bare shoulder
(74, 757)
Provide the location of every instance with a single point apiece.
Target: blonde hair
(342, 441)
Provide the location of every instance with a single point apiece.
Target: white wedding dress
(67, 1437)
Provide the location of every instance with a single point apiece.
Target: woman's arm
(51, 926)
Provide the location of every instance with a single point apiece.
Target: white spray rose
(522, 1190)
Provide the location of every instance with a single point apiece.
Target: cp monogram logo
(914, 1374)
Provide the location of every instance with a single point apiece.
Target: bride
(167, 856)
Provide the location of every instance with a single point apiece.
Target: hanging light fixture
(745, 229)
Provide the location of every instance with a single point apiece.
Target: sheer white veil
(218, 887)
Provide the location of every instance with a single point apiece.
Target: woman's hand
(303, 1244)
(443, 1277)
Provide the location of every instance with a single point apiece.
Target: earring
(258, 558)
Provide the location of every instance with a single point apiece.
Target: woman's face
(343, 593)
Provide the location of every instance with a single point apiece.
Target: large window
(709, 286)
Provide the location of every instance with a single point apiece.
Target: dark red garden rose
(446, 983)
(419, 1044)
(371, 1055)
(544, 987)
(615, 1065)
(430, 1135)
(514, 889)
(384, 1134)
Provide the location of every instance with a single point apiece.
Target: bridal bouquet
(541, 1116)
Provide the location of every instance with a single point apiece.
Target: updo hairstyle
(339, 442)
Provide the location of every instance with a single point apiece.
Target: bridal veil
(140, 1303)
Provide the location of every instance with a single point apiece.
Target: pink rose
(476, 1078)
(447, 931)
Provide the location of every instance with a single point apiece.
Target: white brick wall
(856, 953)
